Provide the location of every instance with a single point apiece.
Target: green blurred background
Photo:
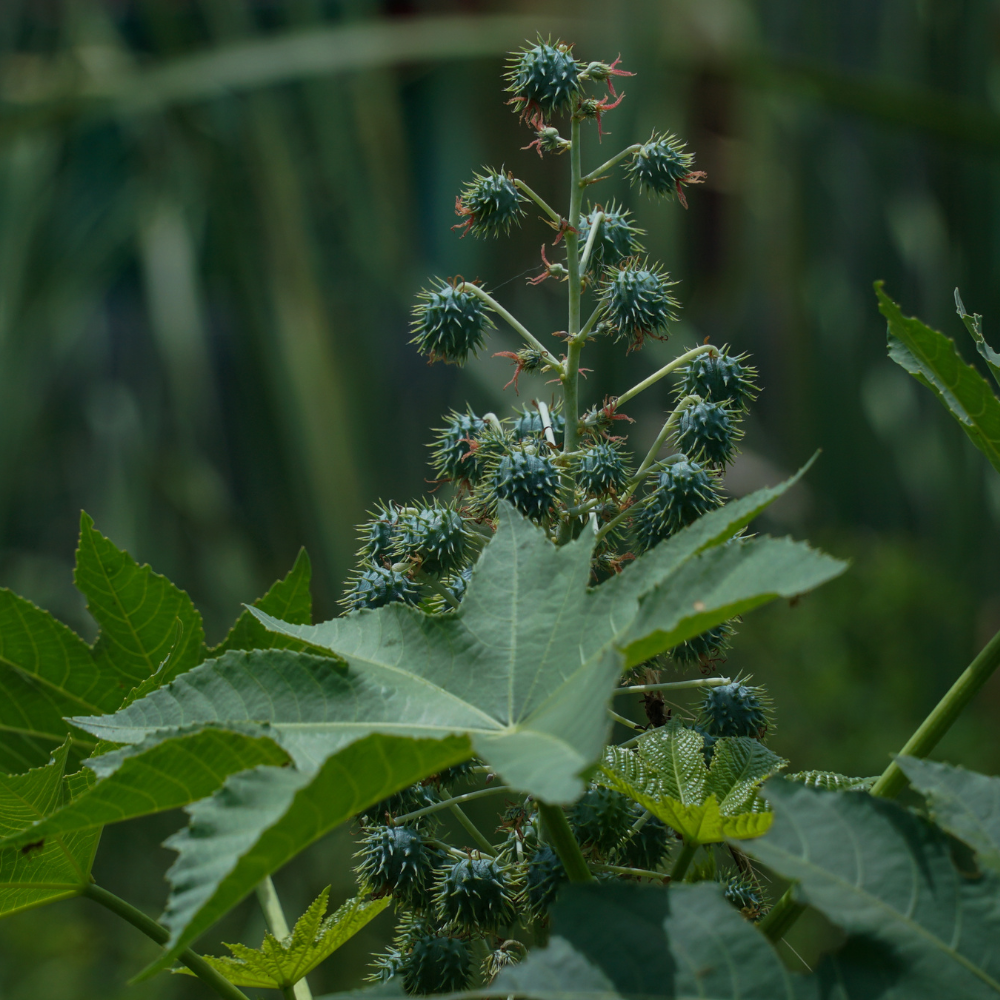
(214, 215)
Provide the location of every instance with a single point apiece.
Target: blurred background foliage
(214, 215)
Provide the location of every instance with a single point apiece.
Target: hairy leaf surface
(886, 876)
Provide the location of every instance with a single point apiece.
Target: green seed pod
(436, 963)
(434, 537)
(396, 860)
(385, 965)
(457, 585)
(601, 469)
(660, 166)
(543, 78)
(684, 491)
(545, 875)
(746, 896)
(704, 647)
(637, 302)
(736, 709)
(454, 451)
(377, 586)
(646, 847)
(449, 322)
(617, 240)
(707, 431)
(474, 894)
(377, 533)
(601, 818)
(530, 482)
(490, 204)
(720, 378)
(528, 423)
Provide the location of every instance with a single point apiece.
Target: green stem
(161, 936)
(941, 718)
(591, 322)
(619, 870)
(605, 167)
(539, 201)
(698, 682)
(665, 370)
(682, 861)
(591, 239)
(274, 917)
(560, 836)
(627, 723)
(448, 803)
(515, 324)
(473, 830)
(438, 587)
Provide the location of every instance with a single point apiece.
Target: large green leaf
(964, 803)
(931, 358)
(46, 673)
(146, 622)
(721, 583)
(278, 965)
(666, 774)
(887, 877)
(46, 869)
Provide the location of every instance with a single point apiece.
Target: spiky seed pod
(720, 378)
(474, 894)
(377, 533)
(708, 432)
(377, 586)
(436, 963)
(530, 482)
(543, 77)
(661, 165)
(396, 860)
(458, 585)
(601, 469)
(490, 204)
(617, 240)
(385, 965)
(601, 818)
(637, 302)
(746, 896)
(408, 800)
(434, 537)
(684, 491)
(454, 451)
(508, 952)
(736, 709)
(449, 322)
(528, 423)
(646, 847)
(703, 647)
(545, 875)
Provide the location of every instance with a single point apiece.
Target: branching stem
(627, 723)
(665, 370)
(683, 861)
(474, 832)
(619, 870)
(697, 682)
(560, 836)
(605, 167)
(161, 936)
(539, 201)
(456, 801)
(591, 240)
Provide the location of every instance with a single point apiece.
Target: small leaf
(974, 324)
(281, 964)
(137, 611)
(962, 802)
(932, 359)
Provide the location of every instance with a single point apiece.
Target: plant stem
(560, 836)
(604, 167)
(619, 870)
(940, 720)
(539, 201)
(628, 723)
(473, 830)
(665, 370)
(438, 587)
(161, 936)
(682, 861)
(515, 324)
(591, 322)
(274, 917)
(448, 803)
(591, 239)
(698, 682)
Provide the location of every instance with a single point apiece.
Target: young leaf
(288, 599)
(45, 869)
(46, 673)
(887, 877)
(831, 781)
(279, 965)
(138, 612)
(964, 803)
(932, 359)
(974, 324)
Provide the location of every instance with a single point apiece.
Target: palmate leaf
(932, 359)
(281, 964)
(46, 869)
(666, 775)
(962, 802)
(919, 928)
